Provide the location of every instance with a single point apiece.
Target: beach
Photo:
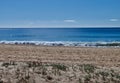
(60, 55)
(57, 54)
(56, 64)
(60, 41)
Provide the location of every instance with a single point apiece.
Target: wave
(65, 43)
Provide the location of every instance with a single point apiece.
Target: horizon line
(59, 27)
(68, 27)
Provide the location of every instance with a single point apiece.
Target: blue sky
(59, 13)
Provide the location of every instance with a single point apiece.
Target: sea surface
(61, 36)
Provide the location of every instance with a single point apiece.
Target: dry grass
(21, 72)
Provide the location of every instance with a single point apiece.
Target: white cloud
(72, 21)
(114, 20)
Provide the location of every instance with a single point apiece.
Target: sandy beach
(55, 64)
(85, 55)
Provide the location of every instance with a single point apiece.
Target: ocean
(61, 36)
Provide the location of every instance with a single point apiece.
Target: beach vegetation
(34, 64)
(5, 64)
(87, 78)
(89, 68)
(59, 67)
(117, 76)
(83, 73)
(104, 74)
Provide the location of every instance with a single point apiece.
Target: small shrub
(59, 67)
(6, 64)
(112, 75)
(34, 64)
(87, 78)
(104, 73)
(117, 76)
(97, 74)
(88, 68)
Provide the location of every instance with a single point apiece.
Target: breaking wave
(65, 43)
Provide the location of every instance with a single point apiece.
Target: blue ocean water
(60, 35)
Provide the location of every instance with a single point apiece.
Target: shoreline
(99, 44)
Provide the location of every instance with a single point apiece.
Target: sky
(59, 13)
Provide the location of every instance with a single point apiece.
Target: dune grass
(34, 72)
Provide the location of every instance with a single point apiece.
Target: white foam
(63, 43)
